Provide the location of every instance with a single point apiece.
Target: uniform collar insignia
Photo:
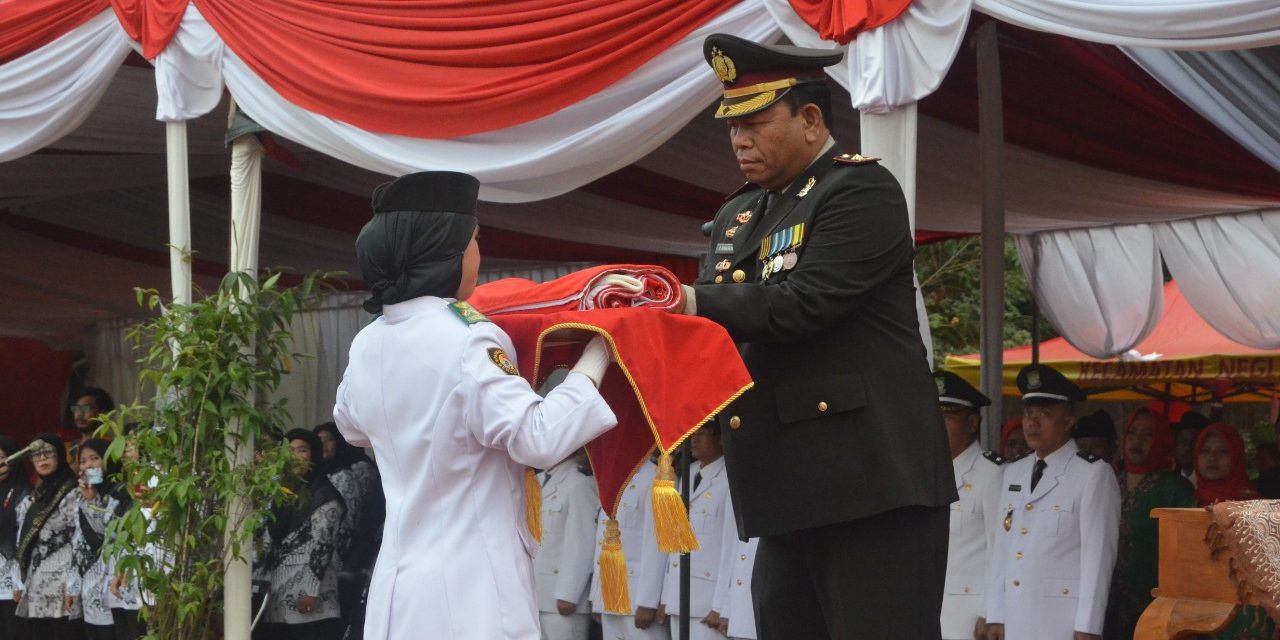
(807, 186)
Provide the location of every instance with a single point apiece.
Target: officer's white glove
(630, 283)
(595, 360)
(690, 307)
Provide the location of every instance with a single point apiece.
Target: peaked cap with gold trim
(758, 75)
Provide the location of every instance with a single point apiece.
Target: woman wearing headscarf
(14, 488)
(100, 498)
(301, 556)
(339, 458)
(1222, 475)
(1147, 481)
(434, 388)
(44, 544)
(1221, 469)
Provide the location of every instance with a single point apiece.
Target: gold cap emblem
(725, 70)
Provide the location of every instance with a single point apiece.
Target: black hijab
(45, 499)
(345, 454)
(314, 491)
(413, 246)
(13, 489)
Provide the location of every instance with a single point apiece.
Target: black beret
(954, 390)
(441, 191)
(1098, 424)
(1191, 420)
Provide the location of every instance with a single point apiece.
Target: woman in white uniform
(432, 386)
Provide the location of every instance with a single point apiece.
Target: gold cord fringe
(670, 519)
(613, 571)
(533, 503)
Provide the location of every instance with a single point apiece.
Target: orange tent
(1183, 358)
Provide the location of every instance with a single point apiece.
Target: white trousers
(697, 630)
(624, 628)
(558, 627)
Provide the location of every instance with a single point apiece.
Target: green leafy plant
(211, 367)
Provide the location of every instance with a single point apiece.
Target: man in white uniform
(646, 566)
(974, 516)
(562, 566)
(433, 388)
(708, 505)
(732, 599)
(1056, 542)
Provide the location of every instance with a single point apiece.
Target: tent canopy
(1183, 357)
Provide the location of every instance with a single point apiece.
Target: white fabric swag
(1238, 91)
(1102, 288)
(1229, 270)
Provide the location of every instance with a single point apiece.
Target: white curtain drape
(1238, 91)
(113, 363)
(1229, 270)
(47, 93)
(1100, 288)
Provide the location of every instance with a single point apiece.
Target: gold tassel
(533, 503)
(670, 519)
(613, 571)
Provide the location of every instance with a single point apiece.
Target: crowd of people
(1053, 538)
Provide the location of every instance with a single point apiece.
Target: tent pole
(686, 563)
(246, 215)
(991, 134)
(892, 137)
(1035, 303)
(175, 135)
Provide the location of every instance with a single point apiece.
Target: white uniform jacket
(1052, 568)
(974, 518)
(733, 590)
(562, 566)
(708, 508)
(452, 432)
(646, 566)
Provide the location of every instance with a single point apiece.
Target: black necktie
(1036, 472)
(697, 480)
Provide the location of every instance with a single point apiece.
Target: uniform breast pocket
(963, 516)
(705, 515)
(553, 514)
(630, 511)
(1065, 519)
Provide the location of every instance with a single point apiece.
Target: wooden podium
(1196, 595)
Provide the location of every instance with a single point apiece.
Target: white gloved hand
(690, 307)
(595, 360)
(630, 283)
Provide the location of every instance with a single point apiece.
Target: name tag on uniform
(1015, 487)
(724, 248)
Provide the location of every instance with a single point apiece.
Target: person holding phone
(98, 501)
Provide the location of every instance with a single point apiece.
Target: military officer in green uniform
(837, 459)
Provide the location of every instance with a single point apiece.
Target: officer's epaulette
(467, 313)
(1088, 456)
(993, 457)
(856, 158)
(746, 186)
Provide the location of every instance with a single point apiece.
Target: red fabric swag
(843, 20)
(153, 23)
(33, 379)
(27, 25)
(448, 68)
(672, 373)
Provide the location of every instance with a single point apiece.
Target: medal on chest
(778, 251)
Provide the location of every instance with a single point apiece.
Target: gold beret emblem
(725, 70)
